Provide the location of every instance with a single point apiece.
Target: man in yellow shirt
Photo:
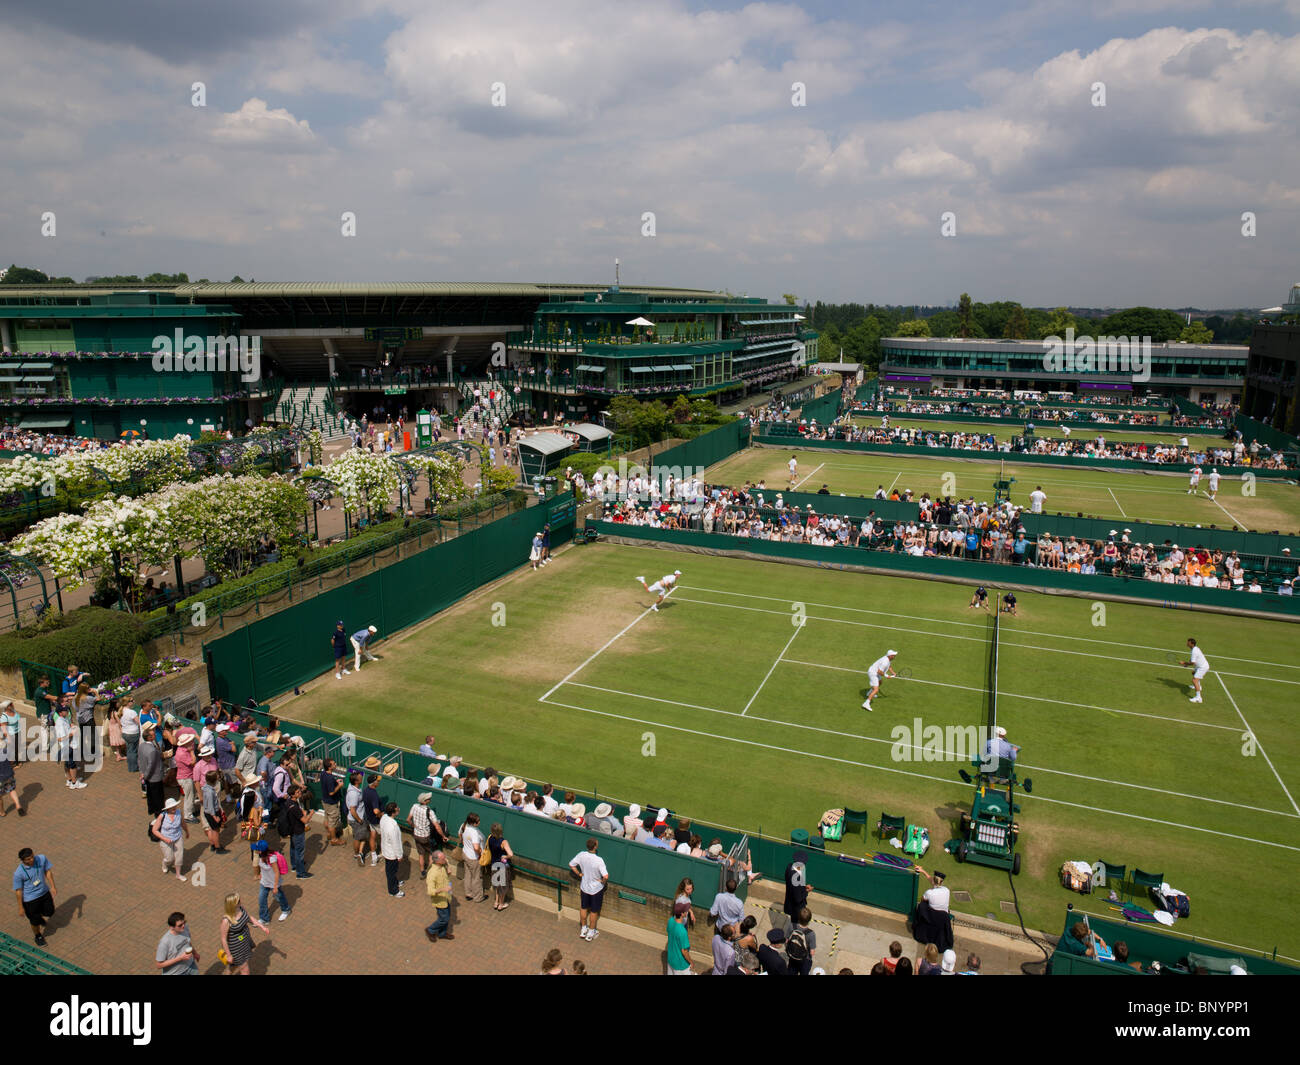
(439, 882)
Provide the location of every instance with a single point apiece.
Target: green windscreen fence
(823, 410)
(706, 449)
(272, 655)
(1265, 434)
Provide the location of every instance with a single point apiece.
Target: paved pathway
(113, 900)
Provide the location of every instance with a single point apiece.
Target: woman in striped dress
(236, 942)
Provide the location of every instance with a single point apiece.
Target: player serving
(661, 587)
(882, 667)
(1200, 668)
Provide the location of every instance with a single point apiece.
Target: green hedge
(102, 642)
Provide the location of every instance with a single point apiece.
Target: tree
(790, 298)
(1056, 325)
(1159, 325)
(681, 410)
(944, 324)
(24, 275)
(1017, 327)
(917, 327)
(964, 316)
(1195, 333)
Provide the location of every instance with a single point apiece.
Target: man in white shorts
(661, 587)
(882, 667)
(1036, 500)
(1214, 483)
(793, 464)
(1194, 482)
(1200, 668)
(361, 645)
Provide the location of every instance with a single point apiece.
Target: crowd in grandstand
(1090, 398)
(13, 438)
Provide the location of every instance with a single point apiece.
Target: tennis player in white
(661, 587)
(794, 469)
(1036, 500)
(1194, 481)
(1214, 483)
(1201, 667)
(879, 669)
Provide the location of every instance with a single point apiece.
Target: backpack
(796, 947)
(280, 862)
(1172, 901)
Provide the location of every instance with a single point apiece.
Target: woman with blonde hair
(236, 943)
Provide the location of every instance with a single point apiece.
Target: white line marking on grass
(892, 483)
(597, 653)
(920, 776)
(1135, 661)
(651, 698)
(1116, 498)
(797, 630)
(796, 487)
(976, 625)
(1257, 743)
(1225, 510)
(1032, 698)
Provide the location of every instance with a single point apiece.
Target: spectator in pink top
(185, 759)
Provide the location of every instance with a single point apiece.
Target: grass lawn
(1117, 494)
(721, 707)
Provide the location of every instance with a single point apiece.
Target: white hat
(205, 752)
(634, 811)
(171, 804)
(999, 730)
(662, 815)
(677, 573)
(223, 727)
(683, 848)
(373, 629)
(949, 962)
(890, 654)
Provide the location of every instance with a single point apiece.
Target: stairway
(310, 407)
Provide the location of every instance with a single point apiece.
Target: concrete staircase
(310, 407)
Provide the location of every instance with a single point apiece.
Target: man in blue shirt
(972, 544)
(657, 838)
(34, 887)
(339, 642)
(1019, 548)
(359, 641)
(727, 908)
(998, 749)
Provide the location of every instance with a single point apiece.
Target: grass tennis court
(721, 708)
(1118, 494)
(1161, 434)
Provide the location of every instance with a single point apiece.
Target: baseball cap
(890, 654)
(373, 629)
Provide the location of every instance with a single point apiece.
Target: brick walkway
(113, 900)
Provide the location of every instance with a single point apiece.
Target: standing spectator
(184, 761)
(115, 732)
(8, 785)
(65, 735)
(797, 887)
(360, 642)
(679, 941)
(236, 943)
(247, 761)
(271, 867)
(10, 719)
(151, 769)
(499, 848)
(295, 819)
(727, 908)
(471, 845)
(176, 955)
(356, 808)
(214, 817)
(724, 954)
(594, 875)
(44, 699)
(226, 758)
(438, 884)
(331, 790)
(34, 887)
(169, 828)
(802, 944)
(685, 889)
(374, 808)
(419, 819)
(390, 843)
(770, 956)
(339, 642)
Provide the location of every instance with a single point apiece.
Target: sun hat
(250, 778)
(604, 809)
(715, 849)
(206, 752)
(509, 784)
(184, 738)
(372, 762)
(424, 797)
(577, 810)
(171, 804)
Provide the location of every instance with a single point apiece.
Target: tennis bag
(1171, 900)
(917, 842)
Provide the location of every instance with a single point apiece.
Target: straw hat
(577, 810)
(372, 762)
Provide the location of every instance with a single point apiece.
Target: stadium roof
(224, 290)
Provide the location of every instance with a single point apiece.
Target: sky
(1113, 153)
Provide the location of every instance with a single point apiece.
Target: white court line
(1117, 503)
(920, 776)
(973, 639)
(953, 755)
(1031, 698)
(796, 487)
(797, 630)
(892, 483)
(597, 653)
(1258, 744)
(1235, 521)
(976, 625)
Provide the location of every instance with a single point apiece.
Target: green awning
(641, 369)
(38, 366)
(46, 421)
(10, 380)
(683, 366)
(592, 369)
(38, 380)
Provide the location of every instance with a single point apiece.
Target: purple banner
(1109, 387)
(904, 377)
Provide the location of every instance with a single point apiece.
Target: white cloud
(256, 124)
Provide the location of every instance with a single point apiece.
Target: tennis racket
(1174, 658)
(904, 672)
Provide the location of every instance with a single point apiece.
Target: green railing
(19, 959)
